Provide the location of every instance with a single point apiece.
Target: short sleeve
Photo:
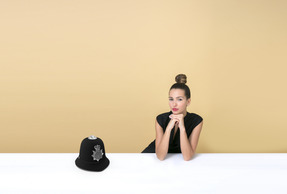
(163, 119)
(192, 122)
(159, 119)
(198, 120)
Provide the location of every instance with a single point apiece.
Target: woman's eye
(180, 99)
(170, 99)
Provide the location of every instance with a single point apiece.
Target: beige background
(70, 69)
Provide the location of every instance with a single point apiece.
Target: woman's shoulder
(163, 118)
(164, 115)
(195, 116)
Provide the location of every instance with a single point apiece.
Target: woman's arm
(188, 145)
(162, 139)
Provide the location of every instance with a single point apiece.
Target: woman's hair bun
(180, 78)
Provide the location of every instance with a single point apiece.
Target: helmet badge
(98, 153)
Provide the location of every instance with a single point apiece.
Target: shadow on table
(173, 155)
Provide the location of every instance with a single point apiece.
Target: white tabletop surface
(144, 173)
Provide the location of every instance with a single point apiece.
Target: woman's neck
(184, 113)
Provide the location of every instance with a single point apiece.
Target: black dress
(191, 120)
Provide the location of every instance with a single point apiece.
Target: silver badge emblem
(98, 154)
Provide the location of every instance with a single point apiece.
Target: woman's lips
(175, 109)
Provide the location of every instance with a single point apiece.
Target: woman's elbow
(160, 157)
(187, 158)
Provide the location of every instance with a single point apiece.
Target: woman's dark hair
(181, 84)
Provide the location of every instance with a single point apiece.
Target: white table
(144, 173)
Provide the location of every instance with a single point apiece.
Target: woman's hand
(179, 120)
(172, 123)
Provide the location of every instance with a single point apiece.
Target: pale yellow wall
(70, 69)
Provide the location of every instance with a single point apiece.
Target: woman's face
(178, 101)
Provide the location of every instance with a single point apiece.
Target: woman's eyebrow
(177, 97)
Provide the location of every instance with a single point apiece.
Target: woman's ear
(188, 102)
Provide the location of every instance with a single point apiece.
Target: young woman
(177, 131)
